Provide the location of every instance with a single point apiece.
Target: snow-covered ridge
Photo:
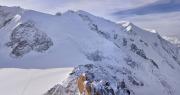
(147, 63)
(173, 40)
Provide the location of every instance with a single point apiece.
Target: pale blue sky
(98, 7)
(161, 15)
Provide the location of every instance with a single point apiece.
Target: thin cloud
(97, 7)
(161, 6)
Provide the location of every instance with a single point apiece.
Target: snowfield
(16, 81)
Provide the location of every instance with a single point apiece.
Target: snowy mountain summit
(109, 51)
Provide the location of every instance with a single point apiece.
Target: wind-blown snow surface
(30, 82)
(114, 52)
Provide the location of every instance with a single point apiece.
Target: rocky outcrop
(57, 90)
(27, 37)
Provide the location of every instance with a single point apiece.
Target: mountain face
(148, 64)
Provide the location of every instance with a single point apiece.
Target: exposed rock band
(87, 86)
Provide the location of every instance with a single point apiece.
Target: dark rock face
(124, 42)
(134, 81)
(130, 62)
(26, 37)
(95, 56)
(94, 27)
(154, 63)
(138, 51)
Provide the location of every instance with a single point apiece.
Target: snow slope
(67, 42)
(16, 81)
(147, 63)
